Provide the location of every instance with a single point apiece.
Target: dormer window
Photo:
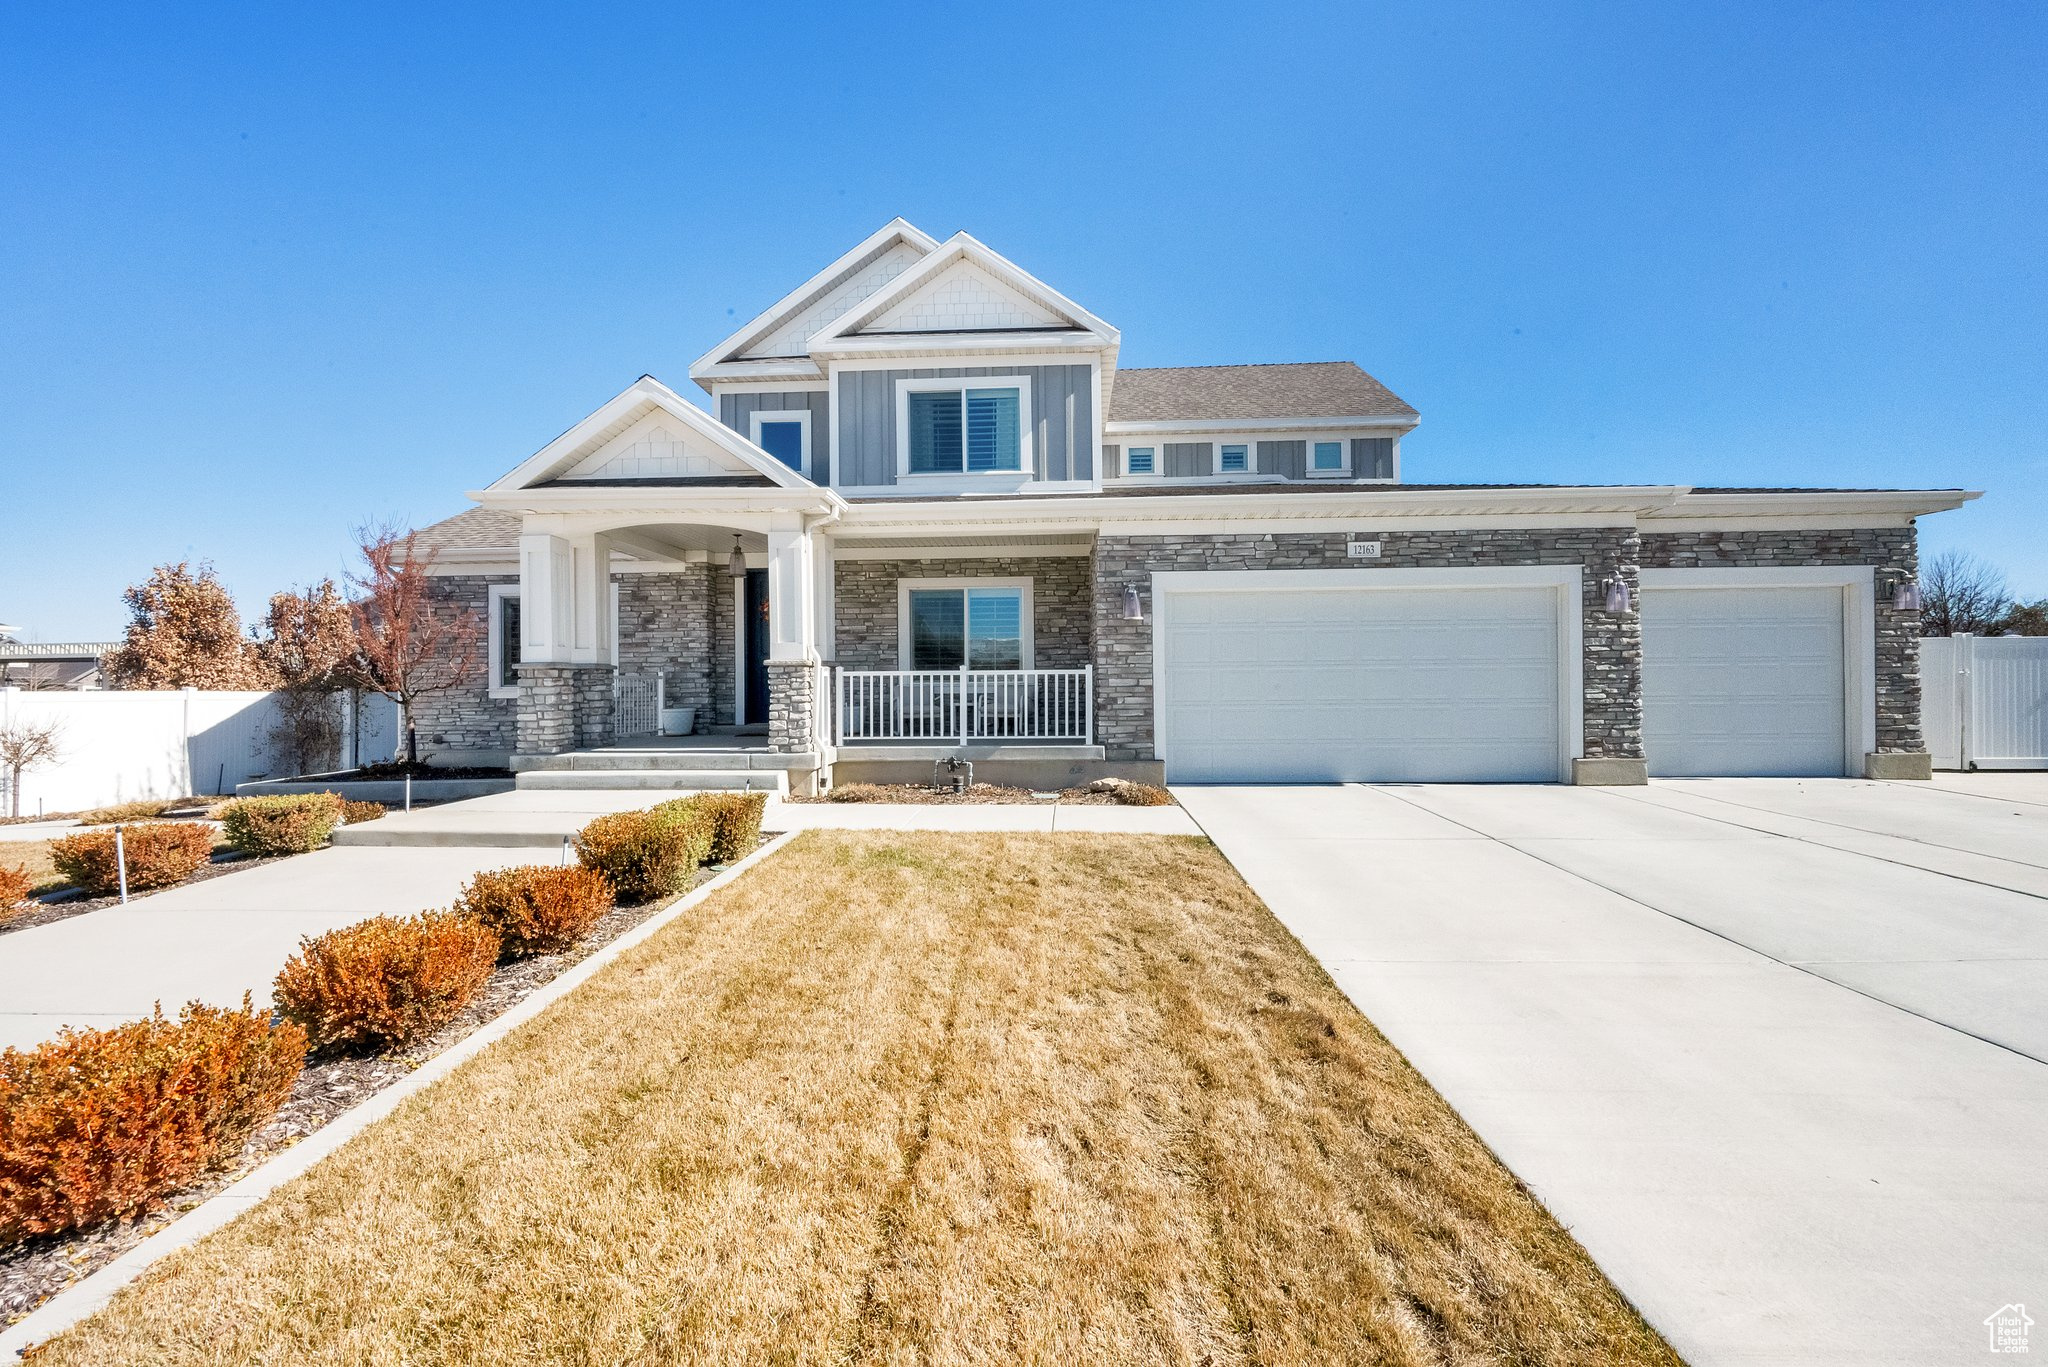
(949, 428)
(1326, 457)
(1140, 460)
(1233, 460)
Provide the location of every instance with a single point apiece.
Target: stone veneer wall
(564, 707)
(665, 627)
(1889, 550)
(724, 616)
(1123, 650)
(792, 706)
(865, 617)
(467, 718)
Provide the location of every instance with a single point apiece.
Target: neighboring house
(49, 664)
(930, 515)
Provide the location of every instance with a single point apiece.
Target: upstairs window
(1233, 460)
(965, 431)
(1326, 457)
(1140, 460)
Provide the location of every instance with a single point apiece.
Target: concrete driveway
(1772, 1049)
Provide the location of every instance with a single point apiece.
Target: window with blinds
(971, 430)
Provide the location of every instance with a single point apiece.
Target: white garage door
(1743, 681)
(1295, 685)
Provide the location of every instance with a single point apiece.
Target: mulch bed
(981, 793)
(33, 1271)
(42, 914)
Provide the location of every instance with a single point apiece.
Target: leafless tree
(26, 745)
(1959, 592)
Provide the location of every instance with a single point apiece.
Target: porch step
(670, 779)
(761, 762)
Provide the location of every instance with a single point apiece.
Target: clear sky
(269, 271)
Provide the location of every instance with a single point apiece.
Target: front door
(754, 651)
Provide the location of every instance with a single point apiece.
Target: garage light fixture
(1134, 611)
(1905, 594)
(1616, 590)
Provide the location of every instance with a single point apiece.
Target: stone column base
(1898, 764)
(792, 706)
(564, 707)
(1610, 773)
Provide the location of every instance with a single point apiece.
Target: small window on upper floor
(1326, 457)
(1233, 460)
(955, 431)
(1138, 460)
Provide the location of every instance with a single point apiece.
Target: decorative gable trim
(823, 297)
(649, 424)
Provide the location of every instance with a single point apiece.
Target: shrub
(102, 1123)
(858, 792)
(289, 823)
(159, 854)
(735, 823)
(1141, 795)
(14, 887)
(355, 812)
(387, 981)
(536, 909)
(647, 854)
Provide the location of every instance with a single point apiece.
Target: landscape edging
(81, 1299)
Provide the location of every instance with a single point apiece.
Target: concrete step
(658, 760)
(680, 780)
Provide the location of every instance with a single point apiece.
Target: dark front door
(754, 711)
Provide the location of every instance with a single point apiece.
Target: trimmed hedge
(287, 823)
(355, 811)
(735, 823)
(97, 1124)
(536, 909)
(647, 854)
(14, 887)
(1141, 795)
(159, 854)
(385, 982)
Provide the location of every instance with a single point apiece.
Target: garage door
(1743, 681)
(1318, 685)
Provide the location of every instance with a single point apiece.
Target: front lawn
(894, 1098)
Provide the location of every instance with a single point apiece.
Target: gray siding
(1062, 412)
(734, 410)
(1186, 459)
(1112, 461)
(1372, 457)
(1286, 459)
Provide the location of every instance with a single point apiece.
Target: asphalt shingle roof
(479, 529)
(1313, 389)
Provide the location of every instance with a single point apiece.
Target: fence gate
(636, 705)
(1984, 701)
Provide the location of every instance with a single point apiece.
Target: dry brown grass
(34, 855)
(912, 1099)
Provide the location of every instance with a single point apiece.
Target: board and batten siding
(735, 409)
(1186, 459)
(1062, 420)
(1371, 458)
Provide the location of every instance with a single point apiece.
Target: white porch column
(547, 572)
(792, 636)
(591, 557)
(824, 595)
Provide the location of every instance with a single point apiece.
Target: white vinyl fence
(119, 745)
(1984, 701)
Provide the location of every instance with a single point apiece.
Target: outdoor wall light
(1616, 590)
(1905, 594)
(1134, 611)
(736, 563)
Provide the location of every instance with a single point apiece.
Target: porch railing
(964, 706)
(636, 704)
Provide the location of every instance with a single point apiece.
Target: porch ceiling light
(1617, 594)
(1134, 611)
(736, 563)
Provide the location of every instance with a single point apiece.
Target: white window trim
(800, 416)
(1156, 448)
(495, 651)
(1027, 426)
(1026, 611)
(1251, 458)
(1308, 456)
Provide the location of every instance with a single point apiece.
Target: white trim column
(824, 595)
(792, 634)
(547, 572)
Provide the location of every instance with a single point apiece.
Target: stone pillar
(564, 707)
(792, 706)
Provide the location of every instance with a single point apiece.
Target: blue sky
(266, 272)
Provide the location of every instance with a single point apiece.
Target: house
(50, 664)
(2007, 1329)
(928, 514)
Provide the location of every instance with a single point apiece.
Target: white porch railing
(636, 704)
(964, 706)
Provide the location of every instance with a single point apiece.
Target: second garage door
(1311, 685)
(1743, 682)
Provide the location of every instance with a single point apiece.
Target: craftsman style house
(929, 516)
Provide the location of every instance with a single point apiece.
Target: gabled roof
(476, 529)
(1315, 389)
(781, 331)
(647, 406)
(1019, 304)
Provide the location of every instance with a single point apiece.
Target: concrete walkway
(1771, 1049)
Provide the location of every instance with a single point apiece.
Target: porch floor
(649, 744)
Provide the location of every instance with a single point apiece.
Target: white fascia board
(959, 247)
(902, 344)
(1206, 426)
(560, 453)
(802, 295)
(659, 503)
(1802, 506)
(799, 368)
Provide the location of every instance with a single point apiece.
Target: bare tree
(407, 645)
(24, 746)
(1959, 592)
